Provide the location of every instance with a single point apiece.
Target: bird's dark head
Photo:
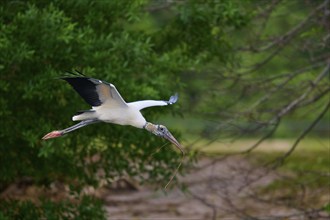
(162, 131)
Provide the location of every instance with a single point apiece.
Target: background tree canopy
(125, 43)
(242, 64)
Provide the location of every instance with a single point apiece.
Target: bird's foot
(53, 134)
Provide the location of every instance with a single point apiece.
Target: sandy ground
(217, 190)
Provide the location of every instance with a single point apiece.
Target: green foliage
(39, 40)
(199, 29)
(327, 208)
(88, 208)
(282, 49)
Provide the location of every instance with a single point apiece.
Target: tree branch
(281, 160)
(297, 101)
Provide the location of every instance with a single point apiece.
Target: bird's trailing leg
(60, 133)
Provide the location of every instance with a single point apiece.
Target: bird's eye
(161, 128)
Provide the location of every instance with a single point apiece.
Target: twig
(297, 101)
(284, 39)
(281, 160)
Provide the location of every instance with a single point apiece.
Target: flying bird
(108, 106)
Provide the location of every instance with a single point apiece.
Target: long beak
(172, 139)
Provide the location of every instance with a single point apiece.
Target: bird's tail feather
(84, 115)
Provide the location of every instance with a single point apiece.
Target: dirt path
(214, 191)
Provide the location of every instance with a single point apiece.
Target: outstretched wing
(94, 91)
(149, 103)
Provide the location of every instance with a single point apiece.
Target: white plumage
(108, 106)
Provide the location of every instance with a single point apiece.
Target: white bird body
(123, 116)
(116, 114)
(129, 115)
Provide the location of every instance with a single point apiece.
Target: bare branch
(297, 101)
(315, 98)
(285, 39)
(291, 74)
(206, 203)
(281, 160)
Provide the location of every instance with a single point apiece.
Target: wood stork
(108, 106)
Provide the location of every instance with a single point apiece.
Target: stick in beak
(172, 139)
(162, 131)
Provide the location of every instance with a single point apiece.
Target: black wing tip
(173, 99)
(78, 77)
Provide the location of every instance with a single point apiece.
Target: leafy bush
(88, 208)
(39, 40)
